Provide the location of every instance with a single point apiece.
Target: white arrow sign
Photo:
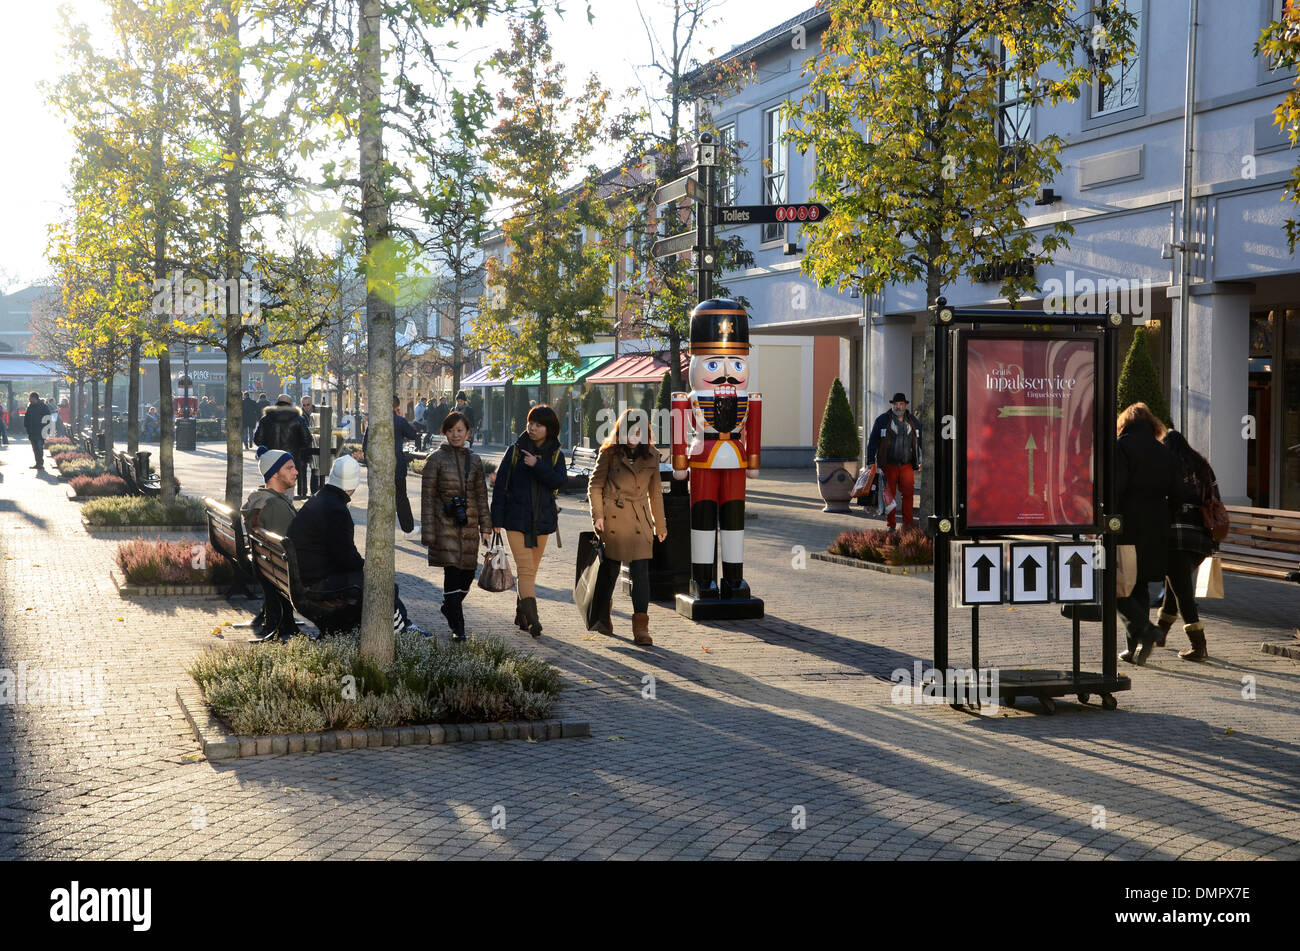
(1029, 574)
(981, 574)
(1074, 573)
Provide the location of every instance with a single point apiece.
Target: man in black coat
(323, 535)
(35, 422)
(282, 427)
(1146, 480)
(402, 431)
(251, 413)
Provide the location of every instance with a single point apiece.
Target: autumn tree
(925, 167)
(1280, 42)
(549, 292)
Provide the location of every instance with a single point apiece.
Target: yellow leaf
(1229, 731)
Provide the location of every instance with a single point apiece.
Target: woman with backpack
(1189, 543)
(523, 503)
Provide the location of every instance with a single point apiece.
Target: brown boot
(641, 630)
(605, 623)
(1165, 622)
(1196, 634)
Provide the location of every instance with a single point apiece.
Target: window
(774, 168)
(726, 174)
(1123, 88)
(1275, 11)
(1014, 114)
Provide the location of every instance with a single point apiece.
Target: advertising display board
(1027, 453)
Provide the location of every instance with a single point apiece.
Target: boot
(454, 611)
(733, 581)
(529, 608)
(641, 630)
(703, 582)
(605, 623)
(1165, 622)
(1196, 634)
(520, 621)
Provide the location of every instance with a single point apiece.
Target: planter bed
(873, 565)
(143, 529)
(126, 589)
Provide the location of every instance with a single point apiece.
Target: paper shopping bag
(1209, 578)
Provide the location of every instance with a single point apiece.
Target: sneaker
(412, 629)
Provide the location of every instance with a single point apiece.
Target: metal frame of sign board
(959, 355)
(1091, 566)
(1001, 574)
(1048, 563)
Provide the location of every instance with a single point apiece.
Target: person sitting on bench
(323, 535)
(270, 508)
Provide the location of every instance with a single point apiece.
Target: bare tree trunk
(377, 643)
(133, 400)
(928, 416)
(94, 407)
(109, 448)
(233, 265)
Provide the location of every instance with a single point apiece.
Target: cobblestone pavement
(756, 728)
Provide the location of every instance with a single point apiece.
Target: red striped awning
(634, 368)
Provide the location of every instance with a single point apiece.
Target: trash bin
(186, 434)
(670, 564)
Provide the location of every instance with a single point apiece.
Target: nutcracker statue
(716, 437)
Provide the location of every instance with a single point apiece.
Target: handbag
(591, 553)
(1214, 515)
(1209, 578)
(496, 576)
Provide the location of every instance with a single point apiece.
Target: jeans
(38, 450)
(1180, 586)
(640, 573)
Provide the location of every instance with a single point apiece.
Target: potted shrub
(838, 446)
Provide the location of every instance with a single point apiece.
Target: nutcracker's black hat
(719, 326)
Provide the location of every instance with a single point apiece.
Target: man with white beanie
(323, 535)
(270, 508)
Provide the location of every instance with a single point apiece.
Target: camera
(454, 508)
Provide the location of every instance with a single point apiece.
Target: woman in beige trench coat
(627, 510)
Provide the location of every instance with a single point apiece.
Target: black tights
(1180, 586)
(457, 580)
(640, 572)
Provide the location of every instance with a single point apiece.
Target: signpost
(771, 214)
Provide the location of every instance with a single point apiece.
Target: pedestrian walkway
(762, 738)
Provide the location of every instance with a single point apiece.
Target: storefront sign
(1027, 423)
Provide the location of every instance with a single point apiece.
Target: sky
(34, 161)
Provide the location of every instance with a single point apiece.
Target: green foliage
(1139, 381)
(838, 436)
(139, 510)
(1280, 42)
(306, 687)
(664, 398)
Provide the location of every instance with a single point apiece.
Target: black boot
(453, 609)
(529, 607)
(520, 621)
(733, 581)
(703, 584)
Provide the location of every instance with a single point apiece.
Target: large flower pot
(835, 478)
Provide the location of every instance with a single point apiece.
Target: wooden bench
(275, 560)
(226, 533)
(582, 463)
(1262, 542)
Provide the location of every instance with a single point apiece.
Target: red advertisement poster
(1030, 432)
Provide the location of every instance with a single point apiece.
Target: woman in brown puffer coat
(627, 510)
(453, 487)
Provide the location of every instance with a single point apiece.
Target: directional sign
(685, 187)
(668, 247)
(771, 214)
(1074, 573)
(1029, 574)
(982, 574)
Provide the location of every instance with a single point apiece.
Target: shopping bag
(495, 575)
(1209, 578)
(862, 488)
(1126, 570)
(591, 552)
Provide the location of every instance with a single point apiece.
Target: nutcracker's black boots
(733, 580)
(704, 518)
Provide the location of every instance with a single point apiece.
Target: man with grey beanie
(271, 508)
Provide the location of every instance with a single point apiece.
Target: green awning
(563, 373)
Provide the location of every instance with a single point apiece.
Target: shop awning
(634, 368)
(18, 368)
(562, 373)
(484, 377)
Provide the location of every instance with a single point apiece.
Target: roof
(484, 377)
(812, 18)
(562, 373)
(634, 368)
(22, 368)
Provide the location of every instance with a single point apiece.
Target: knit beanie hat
(284, 399)
(269, 461)
(346, 474)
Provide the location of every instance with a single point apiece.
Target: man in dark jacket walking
(282, 427)
(402, 431)
(38, 417)
(323, 535)
(251, 414)
(895, 444)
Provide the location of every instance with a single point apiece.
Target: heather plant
(163, 562)
(308, 686)
(80, 467)
(908, 546)
(139, 510)
(98, 485)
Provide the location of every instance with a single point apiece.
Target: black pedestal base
(719, 609)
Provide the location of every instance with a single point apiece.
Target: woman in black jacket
(523, 503)
(1189, 543)
(1146, 480)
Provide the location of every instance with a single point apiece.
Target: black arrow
(1030, 566)
(1076, 563)
(983, 567)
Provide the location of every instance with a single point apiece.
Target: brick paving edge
(126, 590)
(123, 529)
(872, 566)
(218, 743)
(1282, 648)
